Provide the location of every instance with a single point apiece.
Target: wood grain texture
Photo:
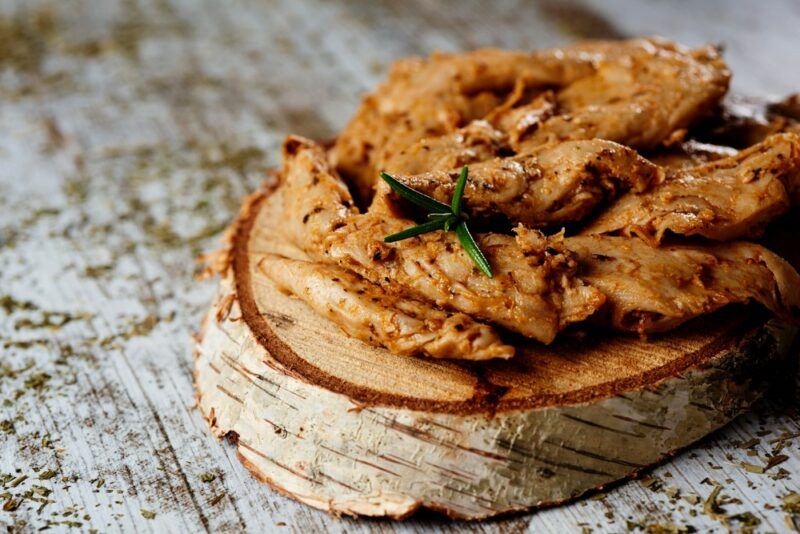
(353, 429)
(130, 129)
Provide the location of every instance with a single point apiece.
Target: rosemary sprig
(442, 217)
(420, 199)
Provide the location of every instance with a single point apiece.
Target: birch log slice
(349, 428)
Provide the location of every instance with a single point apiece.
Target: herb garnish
(443, 217)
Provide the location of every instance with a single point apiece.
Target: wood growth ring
(354, 429)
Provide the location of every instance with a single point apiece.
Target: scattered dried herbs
(47, 475)
(37, 380)
(753, 468)
(772, 461)
(711, 506)
(17, 481)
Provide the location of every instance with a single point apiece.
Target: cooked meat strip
(521, 121)
(534, 293)
(689, 154)
(425, 98)
(656, 289)
(367, 312)
(317, 203)
(640, 100)
(477, 141)
(726, 199)
(553, 184)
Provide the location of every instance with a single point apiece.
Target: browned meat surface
(521, 120)
(637, 92)
(553, 184)
(478, 141)
(534, 292)
(550, 138)
(641, 100)
(729, 198)
(656, 289)
(317, 203)
(431, 97)
(367, 312)
(690, 154)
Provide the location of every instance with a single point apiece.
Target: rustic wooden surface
(128, 133)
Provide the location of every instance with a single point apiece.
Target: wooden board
(130, 130)
(350, 428)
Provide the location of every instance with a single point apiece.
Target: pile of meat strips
(589, 194)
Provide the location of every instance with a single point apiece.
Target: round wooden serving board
(349, 428)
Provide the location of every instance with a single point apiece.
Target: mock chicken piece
(424, 98)
(690, 154)
(726, 199)
(521, 120)
(641, 100)
(477, 141)
(656, 289)
(535, 293)
(370, 313)
(552, 184)
(317, 203)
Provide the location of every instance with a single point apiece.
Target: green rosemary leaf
(424, 228)
(450, 221)
(439, 215)
(469, 244)
(459, 191)
(442, 217)
(420, 199)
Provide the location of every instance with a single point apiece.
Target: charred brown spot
(602, 257)
(292, 146)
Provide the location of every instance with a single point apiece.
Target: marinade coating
(367, 312)
(553, 184)
(656, 289)
(688, 154)
(424, 98)
(534, 292)
(640, 92)
(643, 99)
(477, 141)
(726, 199)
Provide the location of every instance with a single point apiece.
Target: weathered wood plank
(129, 131)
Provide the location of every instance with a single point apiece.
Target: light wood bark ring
(353, 429)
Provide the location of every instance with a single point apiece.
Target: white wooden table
(130, 129)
